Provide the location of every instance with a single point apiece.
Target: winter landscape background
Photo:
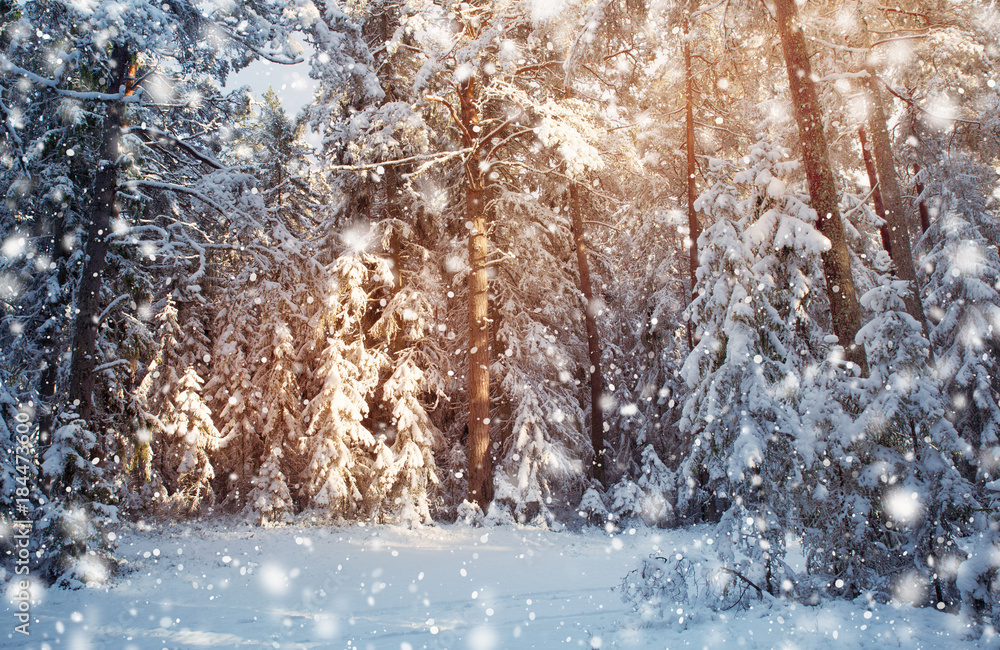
(632, 323)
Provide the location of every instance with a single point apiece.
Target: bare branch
(428, 157)
(454, 115)
(909, 101)
(262, 54)
(158, 136)
(178, 188)
(601, 223)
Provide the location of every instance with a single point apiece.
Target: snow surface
(442, 586)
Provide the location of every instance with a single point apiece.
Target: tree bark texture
(694, 226)
(593, 342)
(480, 459)
(103, 212)
(845, 311)
(925, 217)
(866, 155)
(899, 233)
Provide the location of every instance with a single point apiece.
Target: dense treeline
(558, 263)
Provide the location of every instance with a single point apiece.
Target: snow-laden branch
(717, 128)
(909, 101)
(256, 50)
(178, 188)
(553, 171)
(861, 203)
(835, 46)
(705, 10)
(156, 136)
(111, 364)
(200, 250)
(601, 223)
(107, 310)
(866, 50)
(122, 96)
(898, 38)
(863, 74)
(10, 127)
(137, 229)
(431, 158)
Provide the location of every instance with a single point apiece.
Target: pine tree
(183, 430)
(751, 373)
(281, 429)
(961, 276)
(230, 388)
(407, 474)
(337, 443)
(907, 445)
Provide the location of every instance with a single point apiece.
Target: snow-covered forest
(728, 267)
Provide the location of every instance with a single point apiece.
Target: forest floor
(445, 586)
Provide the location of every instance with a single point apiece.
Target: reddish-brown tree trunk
(866, 155)
(593, 341)
(103, 212)
(892, 201)
(694, 226)
(845, 311)
(480, 460)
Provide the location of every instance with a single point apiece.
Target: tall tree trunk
(480, 460)
(598, 464)
(103, 212)
(593, 342)
(694, 226)
(866, 155)
(899, 233)
(845, 311)
(925, 217)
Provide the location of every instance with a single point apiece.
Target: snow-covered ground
(445, 586)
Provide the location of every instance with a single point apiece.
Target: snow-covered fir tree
(181, 423)
(281, 427)
(962, 272)
(337, 444)
(905, 451)
(749, 374)
(405, 471)
(230, 390)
